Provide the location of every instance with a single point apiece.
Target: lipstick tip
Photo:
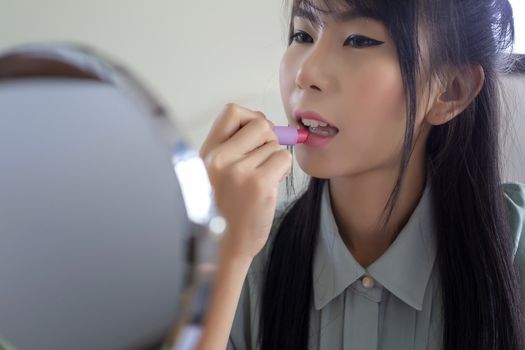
(302, 135)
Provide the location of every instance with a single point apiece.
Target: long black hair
(479, 283)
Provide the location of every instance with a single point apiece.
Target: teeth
(313, 123)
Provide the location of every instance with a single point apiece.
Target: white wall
(513, 128)
(518, 7)
(197, 55)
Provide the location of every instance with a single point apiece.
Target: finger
(230, 120)
(250, 137)
(258, 156)
(277, 166)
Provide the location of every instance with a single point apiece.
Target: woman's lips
(300, 114)
(318, 135)
(316, 140)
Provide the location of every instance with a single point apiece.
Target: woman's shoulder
(514, 193)
(515, 190)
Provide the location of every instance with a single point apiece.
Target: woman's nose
(313, 72)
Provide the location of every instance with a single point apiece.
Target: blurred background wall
(195, 55)
(199, 55)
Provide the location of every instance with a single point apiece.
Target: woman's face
(346, 71)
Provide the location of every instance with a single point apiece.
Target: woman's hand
(245, 164)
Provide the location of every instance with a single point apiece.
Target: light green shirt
(4, 345)
(395, 303)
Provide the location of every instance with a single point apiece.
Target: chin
(326, 168)
(315, 169)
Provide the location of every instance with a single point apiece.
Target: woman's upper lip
(299, 114)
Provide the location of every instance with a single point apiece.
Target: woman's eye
(301, 37)
(359, 41)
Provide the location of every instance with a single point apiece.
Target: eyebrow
(314, 18)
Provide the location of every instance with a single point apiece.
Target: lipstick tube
(290, 136)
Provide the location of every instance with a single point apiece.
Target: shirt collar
(404, 269)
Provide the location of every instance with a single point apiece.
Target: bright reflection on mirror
(194, 183)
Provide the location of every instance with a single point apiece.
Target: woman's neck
(358, 203)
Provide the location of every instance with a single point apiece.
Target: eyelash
(356, 41)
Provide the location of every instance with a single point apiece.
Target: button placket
(373, 293)
(361, 320)
(367, 282)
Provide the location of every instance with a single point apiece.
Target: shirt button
(368, 282)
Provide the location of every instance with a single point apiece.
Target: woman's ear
(455, 94)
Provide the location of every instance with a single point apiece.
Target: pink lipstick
(321, 132)
(290, 136)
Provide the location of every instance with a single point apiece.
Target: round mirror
(102, 206)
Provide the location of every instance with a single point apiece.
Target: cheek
(380, 103)
(378, 118)
(381, 94)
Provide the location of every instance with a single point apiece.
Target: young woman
(405, 237)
